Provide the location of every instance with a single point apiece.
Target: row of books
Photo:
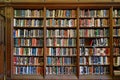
(61, 33)
(28, 23)
(117, 72)
(94, 60)
(116, 51)
(94, 42)
(28, 61)
(116, 41)
(28, 51)
(116, 61)
(61, 22)
(28, 42)
(60, 70)
(94, 51)
(87, 70)
(27, 33)
(93, 22)
(61, 13)
(66, 32)
(116, 22)
(116, 12)
(28, 13)
(93, 13)
(94, 32)
(116, 32)
(61, 61)
(28, 70)
(61, 51)
(61, 42)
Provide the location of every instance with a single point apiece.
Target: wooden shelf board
(27, 77)
(103, 76)
(66, 77)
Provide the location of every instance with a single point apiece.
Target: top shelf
(29, 17)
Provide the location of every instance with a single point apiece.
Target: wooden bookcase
(28, 42)
(62, 40)
(94, 34)
(61, 26)
(116, 41)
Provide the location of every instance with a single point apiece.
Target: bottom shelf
(60, 77)
(28, 77)
(91, 77)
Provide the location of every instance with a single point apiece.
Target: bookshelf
(61, 36)
(62, 41)
(28, 48)
(116, 41)
(94, 33)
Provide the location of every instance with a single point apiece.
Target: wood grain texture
(1, 50)
(63, 1)
(94, 0)
(27, 0)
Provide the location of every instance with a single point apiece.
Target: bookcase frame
(2, 43)
(115, 40)
(75, 6)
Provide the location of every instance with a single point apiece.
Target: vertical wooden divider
(8, 14)
(44, 22)
(78, 42)
(111, 41)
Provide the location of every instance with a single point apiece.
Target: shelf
(70, 65)
(28, 27)
(94, 55)
(93, 27)
(116, 72)
(116, 54)
(61, 17)
(28, 17)
(27, 55)
(29, 46)
(116, 36)
(61, 77)
(116, 26)
(61, 37)
(37, 65)
(93, 17)
(116, 17)
(65, 27)
(28, 37)
(116, 46)
(62, 56)
(93, 37)
(27, 77)
(94, 64)
(61, 46)
(94, 46)
(94, 77)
